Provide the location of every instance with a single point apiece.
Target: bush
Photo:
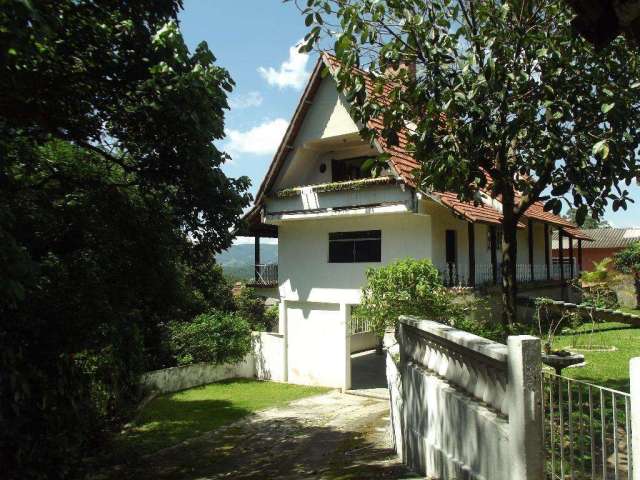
(216, 337)
(406, 287)
(272, 316)
(253, 309)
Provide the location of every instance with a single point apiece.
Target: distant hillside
(237, 261)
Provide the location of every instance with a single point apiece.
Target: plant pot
(561, 359)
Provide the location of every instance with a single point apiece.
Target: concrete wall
(305, 273)
(359, 342)
(180, 378)
(268, 355)
(317, 345)
(463, 406)
(265, 362)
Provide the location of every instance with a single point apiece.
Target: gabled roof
(400, 160)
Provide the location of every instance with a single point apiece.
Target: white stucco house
(332, 224)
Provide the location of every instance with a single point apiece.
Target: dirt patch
(331, 436)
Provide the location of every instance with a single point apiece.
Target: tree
(112, 206)
(628, 261)
(589, 221)
(505, 100)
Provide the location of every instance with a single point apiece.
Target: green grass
(610, 369)
(170, 419)
(632, 311)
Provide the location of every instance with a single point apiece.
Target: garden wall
(180, 378)
(463, 406)
(268, 354)
(359, 342)
(265, 362)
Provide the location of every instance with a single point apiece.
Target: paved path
(331, 436)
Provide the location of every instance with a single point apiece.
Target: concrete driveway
(330, 436)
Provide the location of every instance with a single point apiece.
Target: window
(349, 169)
(498, 237)
(451, 244)
(354, 247)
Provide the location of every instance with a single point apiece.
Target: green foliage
(506, 100)
(588, 221)
(405, 287)
(271, 316)
(112, 206)
(628, 261)
(215, 337)
(596, 284)
(336, 186)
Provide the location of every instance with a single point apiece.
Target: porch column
(561, 254)
(494, 257)
(530, 232)
(547, 253)
(579, 255)
(472, 255)
(571, 267)
(256, 254)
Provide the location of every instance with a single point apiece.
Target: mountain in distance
(237, 261)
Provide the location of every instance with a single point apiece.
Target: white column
(345, 315)
(634, 376)
(283, 329)
(525, 413)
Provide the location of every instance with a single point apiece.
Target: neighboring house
(605, 242)
(333, 223)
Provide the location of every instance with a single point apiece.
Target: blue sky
(254, 40)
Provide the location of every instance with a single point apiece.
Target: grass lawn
(632, 311)
(172, 418)
(610, 369)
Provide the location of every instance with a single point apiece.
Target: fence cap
(481, 345)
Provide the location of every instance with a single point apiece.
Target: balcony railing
(453, 275)
(266, 275)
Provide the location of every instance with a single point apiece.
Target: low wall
(600, 314)
(265, 362)
(268, 354)
(359, 342)
(463, 406)
(180, 378)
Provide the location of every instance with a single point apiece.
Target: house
(333, 223)
(605, 242)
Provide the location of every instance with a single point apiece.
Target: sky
(255, 40)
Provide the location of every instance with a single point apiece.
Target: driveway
(330, 436)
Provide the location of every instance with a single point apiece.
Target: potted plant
(548, 325)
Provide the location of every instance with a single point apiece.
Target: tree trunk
(637, 285)
(509, 261)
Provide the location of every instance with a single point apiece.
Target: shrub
(216, 337)
(628, 261)
(406, 287)
(253, 309)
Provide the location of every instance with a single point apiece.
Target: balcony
(453, 275)
(266, 275)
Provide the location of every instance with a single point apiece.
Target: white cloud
(261, 140)
(247, 100)
(292, 72)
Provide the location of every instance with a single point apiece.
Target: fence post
(525, 411)
(634, 377)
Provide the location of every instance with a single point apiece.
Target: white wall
(268, 354)
(359, 342)
(327, 124)
(305, 273)
(317, 344)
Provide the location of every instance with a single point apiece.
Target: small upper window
(355, 247)
(348, 169)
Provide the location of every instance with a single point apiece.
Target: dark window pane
(368, 251)
(341, 252)
(349, 247)
(348, 169)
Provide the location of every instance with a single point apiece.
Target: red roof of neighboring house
(400, 159)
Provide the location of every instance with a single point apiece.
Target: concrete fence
(465, 407)
(266, 361)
